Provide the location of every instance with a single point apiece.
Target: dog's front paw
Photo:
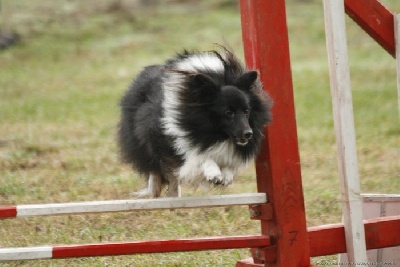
(212, 173)
(215, 179)
(228, 175)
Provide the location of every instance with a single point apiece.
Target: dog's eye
(229, 112)
(246, 111)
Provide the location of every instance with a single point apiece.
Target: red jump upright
(375, 19)
(266, 45)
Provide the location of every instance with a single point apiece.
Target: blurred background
(65, 64)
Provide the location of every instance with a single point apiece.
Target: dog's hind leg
(174, 189)
(154, 185)
(153, 189)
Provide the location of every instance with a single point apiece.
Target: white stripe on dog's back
(173, 83)
(199, 62)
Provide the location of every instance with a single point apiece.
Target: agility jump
(284, 239)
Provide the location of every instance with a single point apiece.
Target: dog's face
(229, 105)
(234, 111)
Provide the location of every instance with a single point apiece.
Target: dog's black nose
(248, 134)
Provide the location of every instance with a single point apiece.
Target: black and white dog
(196, 118)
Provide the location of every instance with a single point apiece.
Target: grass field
(59, 93)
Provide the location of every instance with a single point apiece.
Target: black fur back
(140, 136)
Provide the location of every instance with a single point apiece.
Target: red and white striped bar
(125, 248)
(131, 205)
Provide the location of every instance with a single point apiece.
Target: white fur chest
(218, 164)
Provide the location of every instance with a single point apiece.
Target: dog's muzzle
(244, 140)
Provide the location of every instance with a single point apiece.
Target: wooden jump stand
(278, 170)
(284, 240)
(265, 38)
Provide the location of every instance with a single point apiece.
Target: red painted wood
(8, 212)
(382, 232)
(160, 246)
(262, 255)
(266, 48)
(326, 240)
(379, 233)
(248, 263)
(375, 19)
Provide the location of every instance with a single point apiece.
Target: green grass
(59, 93)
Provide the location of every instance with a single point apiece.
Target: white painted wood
(140, 204)
(375, 206)
(397, 39)
(380, 198)
(344, 129)
(28, 253)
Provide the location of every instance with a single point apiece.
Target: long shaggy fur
(196, 118)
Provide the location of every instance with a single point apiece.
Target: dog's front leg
(228, 174)
(212, 172)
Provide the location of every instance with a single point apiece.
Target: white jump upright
(344, 129)
(397, 39)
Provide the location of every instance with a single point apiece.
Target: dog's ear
(202, 89)
(202, 83)
(202, 80)
(247, 80)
